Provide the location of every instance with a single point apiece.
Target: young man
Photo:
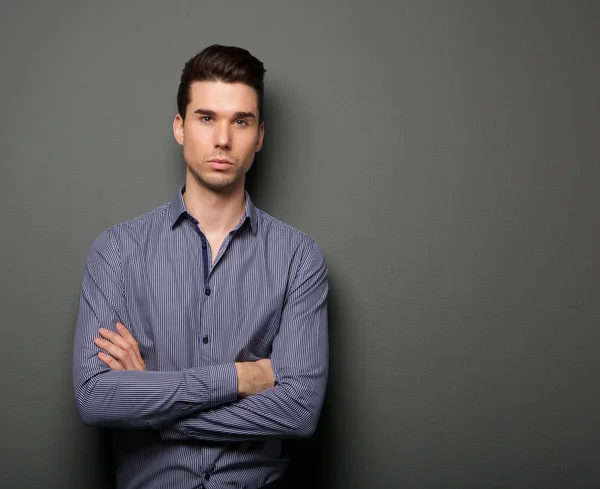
(202, 327)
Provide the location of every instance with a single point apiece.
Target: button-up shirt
(180, 424)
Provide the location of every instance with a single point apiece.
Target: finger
(123, 357)
(131, 360)
(110, 361)
(122, 351)
(124, 332)
(115, 338)
(127, 336)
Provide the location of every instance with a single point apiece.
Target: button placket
(207, 290)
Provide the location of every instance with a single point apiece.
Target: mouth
(220, 164)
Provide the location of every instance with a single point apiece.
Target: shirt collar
(178, 211)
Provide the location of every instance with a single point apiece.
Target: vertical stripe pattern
(181, 424)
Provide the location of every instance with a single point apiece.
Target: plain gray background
(443, 155)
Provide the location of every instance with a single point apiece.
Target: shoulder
(131, 231)
(276, 229)
(284, 236)
(143, 222)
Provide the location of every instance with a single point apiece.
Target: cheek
(195, 139)
(249, 143)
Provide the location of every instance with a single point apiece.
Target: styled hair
(228, 64)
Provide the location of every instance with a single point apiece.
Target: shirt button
(207, 291)
(205, 341)
(207, 476)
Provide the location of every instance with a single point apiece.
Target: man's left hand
(122, 347)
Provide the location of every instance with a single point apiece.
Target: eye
(241, 122)
(206, 118)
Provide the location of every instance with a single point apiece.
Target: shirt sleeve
(131, 399)
(300, 358)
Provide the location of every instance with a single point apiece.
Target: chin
(222, 185)
(214, 181)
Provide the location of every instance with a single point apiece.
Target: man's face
(220, 134)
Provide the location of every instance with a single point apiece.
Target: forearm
(289, 410)
(140, 399)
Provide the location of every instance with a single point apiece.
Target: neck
(216, 212)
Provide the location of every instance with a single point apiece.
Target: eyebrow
(237, 115)
(244, 115)
(205, 112)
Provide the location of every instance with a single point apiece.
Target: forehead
(223, 97)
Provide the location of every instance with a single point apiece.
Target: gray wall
(444, 156)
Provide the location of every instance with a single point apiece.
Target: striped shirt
(180, 424)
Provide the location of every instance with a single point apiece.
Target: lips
(220, 164)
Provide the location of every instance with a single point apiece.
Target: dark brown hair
(227, 64)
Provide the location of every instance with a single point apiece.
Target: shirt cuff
(208, 387)
(223, 384)
(223, 389)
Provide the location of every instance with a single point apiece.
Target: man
(202, 328)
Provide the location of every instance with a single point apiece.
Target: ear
(178, 129)
(261, 136)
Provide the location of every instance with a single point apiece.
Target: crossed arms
(277, 397)
(124, 354)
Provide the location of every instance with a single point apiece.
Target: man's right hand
(254, 377)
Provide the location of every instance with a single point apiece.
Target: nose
(223, 136)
